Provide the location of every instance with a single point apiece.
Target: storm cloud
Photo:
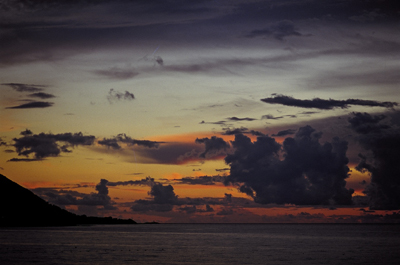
(325, 104)
(310, 173)
(381, 139)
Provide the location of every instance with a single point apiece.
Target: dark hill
(20, 207)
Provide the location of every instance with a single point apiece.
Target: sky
(204, 111)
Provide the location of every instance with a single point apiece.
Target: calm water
(202, 244)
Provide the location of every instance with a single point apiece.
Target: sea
(202, 244)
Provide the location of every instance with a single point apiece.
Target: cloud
(117, 73)
(310, 173)
(48, 145)
(114, 142)
(163, 199)
(2, 142)
(240, 119)
(382, 140)
(41, 95)
(229, 131)
(32, 105)
(193, 209)
(279, 31)
(285, 132)
(117, 96)
(213, 146)
(364, 123)
(168, 153)
(271, 117)
(24, 159)
(68, 197)
(325, 104)
(217, 122)
(148, 181)
(26, 132)
(226, 211)
(25, 87)
(201, 180)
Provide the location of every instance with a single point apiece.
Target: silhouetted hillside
(20, 207)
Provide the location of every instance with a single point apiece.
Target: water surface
(203, 244)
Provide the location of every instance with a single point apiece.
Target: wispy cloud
(25, 87)
(117, 73)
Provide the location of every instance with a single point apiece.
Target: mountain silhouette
(21, 207)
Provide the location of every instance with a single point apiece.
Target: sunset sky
(204, 111)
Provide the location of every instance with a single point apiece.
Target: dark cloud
(202, 180)
(308, 112)
(46, 145)
(226, 211)
(114, 142)
(68, 197)
(41, 95)
(240, 119)
(193, 209)
(324, 103)
(217, 122)
(310, 173)
(26, 132)
(326, 10)
(156, 59)
(24, 159)
(229, 131)
(32, 105)
(168, 153)
(270, 117)
(365, 123)
(213, 146)
(382, 140)
(163, 199)
(25, 87)
(117, 96)
(2, 142)
(110, 143)
(279, 31)
(228, 197)
(188, 209)
(163, 194)
(285, 132)
(118, 73)
(148, 181)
